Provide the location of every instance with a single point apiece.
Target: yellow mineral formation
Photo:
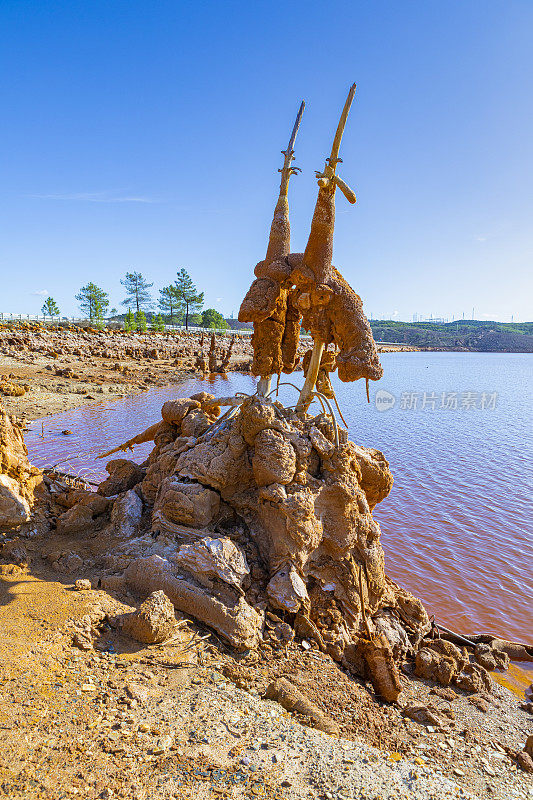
(268, 303)
(18, 478)
(332, 311)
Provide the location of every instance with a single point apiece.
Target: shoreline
(42, 374)
(50, 372)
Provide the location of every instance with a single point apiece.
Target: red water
(456, 528)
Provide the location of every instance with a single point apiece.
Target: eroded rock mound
(267, 508)
(18, 478)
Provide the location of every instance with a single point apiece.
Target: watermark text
(413, 400)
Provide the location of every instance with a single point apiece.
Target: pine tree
(137, 293)
(187, 292)
(50, 308)
(129, 322)
(140, 319)
(158, 323)
(93, 301)
(169, 302)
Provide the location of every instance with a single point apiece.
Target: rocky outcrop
(18, 478)
(77, 519)
(187, 503)
(14, 508)
(232, 617)
(123, 475)
(210, 560)
(126, 514)
(296, 506)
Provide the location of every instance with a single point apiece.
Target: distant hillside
(467, 334)
(235, 325)
(504, 337)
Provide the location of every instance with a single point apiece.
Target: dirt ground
(118, 720)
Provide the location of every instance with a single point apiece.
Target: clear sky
(142, 135)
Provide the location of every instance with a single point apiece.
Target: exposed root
(146, 436)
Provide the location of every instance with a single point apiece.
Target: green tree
(140, 319)
(137, 293)
(93, 301)
(191, 299)
(50, 308)
(169, 302)
(158, 323)
(129, 322)
(213, 319)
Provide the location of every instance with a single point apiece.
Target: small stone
(446, 693)
(424, 715)
(137, 692)
(83, 585)
(163, 745)
(479, 702)
(153, 622)
(524, 761)
(306, 645)
(88, 687)
(284, 632)
(458, 772)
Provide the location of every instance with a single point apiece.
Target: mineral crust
(18, 478)
(272, 493)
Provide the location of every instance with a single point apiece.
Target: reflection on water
(456, 527)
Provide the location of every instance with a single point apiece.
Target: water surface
(456, 528)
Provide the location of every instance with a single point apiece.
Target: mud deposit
(455, 528)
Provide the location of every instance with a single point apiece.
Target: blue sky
(147, 136)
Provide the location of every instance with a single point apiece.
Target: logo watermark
(384, 400)
(436, 401)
